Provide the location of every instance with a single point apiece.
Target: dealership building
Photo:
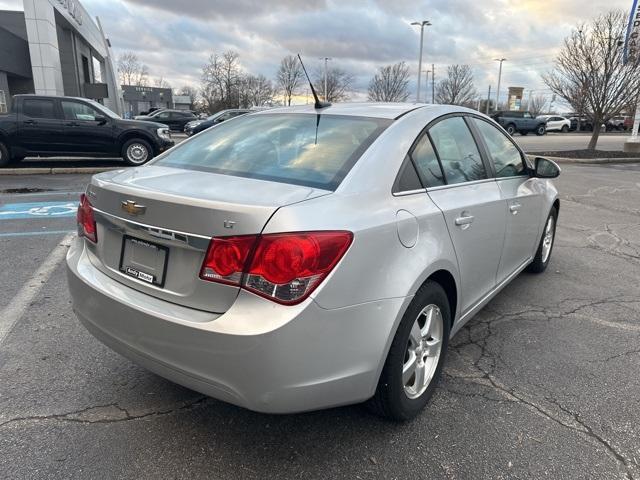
(54, 47)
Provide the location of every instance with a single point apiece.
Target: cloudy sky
(174, 38)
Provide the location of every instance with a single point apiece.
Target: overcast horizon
(175, 39)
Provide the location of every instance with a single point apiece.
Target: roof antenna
(318, 103)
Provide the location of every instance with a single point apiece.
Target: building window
(3, 102)
(85, 69)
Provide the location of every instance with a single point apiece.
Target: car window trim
(463, 184)
(489, 158)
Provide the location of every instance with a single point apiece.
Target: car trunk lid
(154, 225)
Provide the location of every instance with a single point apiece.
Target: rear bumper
(258, 355)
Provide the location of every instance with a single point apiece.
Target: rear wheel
(137, 152)
(416, 356)
(543, 255)
(565, 129)
(4, 155)
(511, 129)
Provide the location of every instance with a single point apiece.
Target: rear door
(40, 125)
(82, 132)
(472, 206)
(521, 194)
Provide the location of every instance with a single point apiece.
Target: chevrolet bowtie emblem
(132, 208)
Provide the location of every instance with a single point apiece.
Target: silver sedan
(298, 259)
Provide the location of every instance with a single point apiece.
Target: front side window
(302, 149)
(161, 116)
(504, 154)
(39, 108)
(426, 162)
(78, 111)
(3, 102)
(457, 150)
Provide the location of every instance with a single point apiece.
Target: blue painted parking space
(38, 210)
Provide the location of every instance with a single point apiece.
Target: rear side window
(39, 108)
(457, 150)
(302, 149)
(426, 162)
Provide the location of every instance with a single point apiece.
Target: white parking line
(21, 301)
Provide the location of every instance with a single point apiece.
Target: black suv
(68, 126)
(175, 119)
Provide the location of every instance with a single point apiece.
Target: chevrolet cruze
(302, 258)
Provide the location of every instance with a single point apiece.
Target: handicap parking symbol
(15, 211)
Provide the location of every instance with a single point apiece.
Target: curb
(55, 170)
(588, 161)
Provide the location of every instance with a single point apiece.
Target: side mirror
(101, 119)
(546, 168)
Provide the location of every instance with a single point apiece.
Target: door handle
(464, 220)
(29, 122)
(71, 124)
(514, 208)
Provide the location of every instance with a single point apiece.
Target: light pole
(422, 24)
(326, 59)
(426, 79)
(499, 79)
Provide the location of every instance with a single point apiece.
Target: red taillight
(284, 267)
(226, 259)
(86, 220)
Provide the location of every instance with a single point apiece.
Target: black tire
(511, 129)
(391, 400)
(565, 129)
(136, 152)
(540, 263)
(4, 155)
(541, 130)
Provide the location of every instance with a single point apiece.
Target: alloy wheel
(137, 153)
(547, 240)
(423, 351)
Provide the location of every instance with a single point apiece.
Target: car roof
(364, 109)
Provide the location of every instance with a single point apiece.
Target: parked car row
(198, 125)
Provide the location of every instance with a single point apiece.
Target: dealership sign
(74, 9)
(632, 39)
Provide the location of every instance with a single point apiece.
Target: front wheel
(565, 129)
(541, 130)
(416, 356)
(137, 152)
(543, 255)
(511, 129)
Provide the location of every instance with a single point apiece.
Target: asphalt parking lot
(543, 383)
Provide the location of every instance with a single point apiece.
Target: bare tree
(131, 70)
(219, 82)
(339, 84)
(457, 87)
(160, 82)
(255, 91)
(537, 105)
(589, 68)
(289, 77)
(390, 84)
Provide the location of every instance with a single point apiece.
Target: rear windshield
(302, 149)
